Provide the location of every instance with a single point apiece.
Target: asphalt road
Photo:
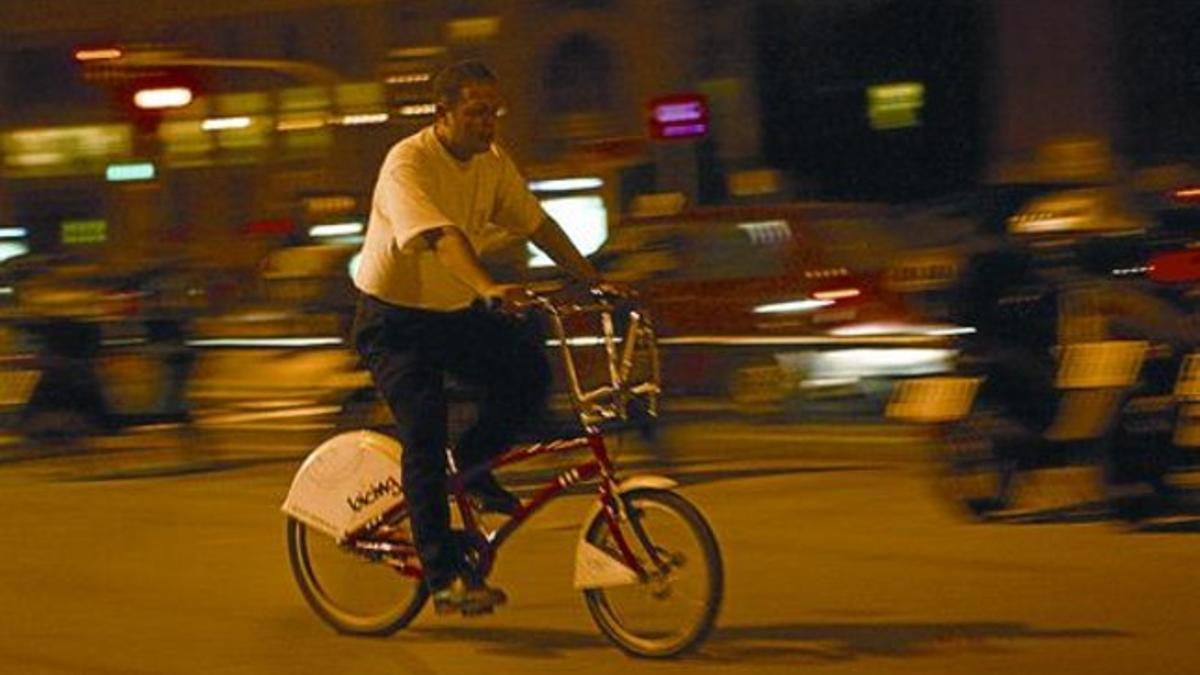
(833, 566)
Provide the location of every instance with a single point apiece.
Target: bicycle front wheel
(353, 594)
(674, 609)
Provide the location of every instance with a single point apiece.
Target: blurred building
(296, 101)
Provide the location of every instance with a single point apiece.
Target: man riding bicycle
(445, 196)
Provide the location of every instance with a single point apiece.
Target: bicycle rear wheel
(673, 610)
(353, 594)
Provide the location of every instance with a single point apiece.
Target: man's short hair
(450, 81)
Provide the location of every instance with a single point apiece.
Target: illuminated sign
(678, 117)
(90, 231)
(895, 105)
(119, 173)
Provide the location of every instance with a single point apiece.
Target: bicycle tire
(602, 603)
(396, 613)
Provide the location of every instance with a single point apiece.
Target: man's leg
(507, 358)
(412, 385)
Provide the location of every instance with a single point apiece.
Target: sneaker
(491, 496)
(467, 599)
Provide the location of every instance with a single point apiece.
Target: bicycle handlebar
(603, 297)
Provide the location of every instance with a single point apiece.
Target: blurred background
(887, 245)
(793, 184)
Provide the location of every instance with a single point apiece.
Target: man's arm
(455, 252)
(550, 238)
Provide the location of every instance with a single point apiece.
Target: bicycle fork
(594, 567)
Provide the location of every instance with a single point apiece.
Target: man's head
(468, 103)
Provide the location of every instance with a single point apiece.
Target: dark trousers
(409, 352)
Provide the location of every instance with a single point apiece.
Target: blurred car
(939, 236)
(770, 305)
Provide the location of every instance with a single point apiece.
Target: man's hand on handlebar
(506, 297)
(515, 298)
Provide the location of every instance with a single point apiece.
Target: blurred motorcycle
(1065, 374)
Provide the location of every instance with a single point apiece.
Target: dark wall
(1159, 74)
(814, 63)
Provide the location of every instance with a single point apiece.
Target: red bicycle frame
(374, 539)
(384, 540)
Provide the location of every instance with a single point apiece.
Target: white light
(335, 229)
(12, 249)
(222, 123)
(806, 305)
(767, 232)
(583, 219)
(12, 232)
(566, 184)
(959, 330)
(418, 109)
(898, 328)
(366, 118)
(165, 97)
(868, 362)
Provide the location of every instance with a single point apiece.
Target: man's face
(470, 124)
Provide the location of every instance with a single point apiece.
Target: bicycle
(642, 547)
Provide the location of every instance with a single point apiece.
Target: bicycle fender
(595, 568)
(346, 482)
(632, 483)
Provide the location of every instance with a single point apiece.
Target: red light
(1188, 195)
(270, 227)
(1175, 267)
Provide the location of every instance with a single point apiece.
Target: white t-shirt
(422, 187)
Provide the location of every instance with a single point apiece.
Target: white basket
(16, 386)
(1100, 365)
(933, 399)
(1187, 384)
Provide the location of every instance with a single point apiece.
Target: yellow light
(103, 54)
(162, 97)
(300, 124)
(895, 105)
(473, 28)
(410, 78)
(837, 294)
(365, 118)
